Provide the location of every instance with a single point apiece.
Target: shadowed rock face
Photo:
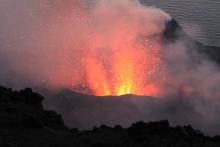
(25, 123)
(23, 110)
(172, 30)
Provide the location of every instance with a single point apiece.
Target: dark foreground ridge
(25, 123)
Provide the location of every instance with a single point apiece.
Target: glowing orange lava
(125, 71)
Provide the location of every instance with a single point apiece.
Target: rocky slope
(25, 123)
(173, 32)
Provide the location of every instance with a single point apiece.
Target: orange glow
(119, 46)
(126, 71)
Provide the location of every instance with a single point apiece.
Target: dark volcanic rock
(25, 123)
(138, 130)
(173, 31)
(23, 110)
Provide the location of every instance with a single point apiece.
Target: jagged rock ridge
(24, 123)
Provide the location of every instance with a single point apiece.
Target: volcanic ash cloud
(98, 47)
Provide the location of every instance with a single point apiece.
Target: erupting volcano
(120, 54)
(98, 48)
(126, 68)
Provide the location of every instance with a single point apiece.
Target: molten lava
(117, 45)
(127, 70)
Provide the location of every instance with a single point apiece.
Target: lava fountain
(129, 69)
(120, 54)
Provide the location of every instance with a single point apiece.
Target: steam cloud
(42, 44)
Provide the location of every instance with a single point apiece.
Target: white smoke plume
(43, 42)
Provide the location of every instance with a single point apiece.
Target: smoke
(48, 40)
(44, 43)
